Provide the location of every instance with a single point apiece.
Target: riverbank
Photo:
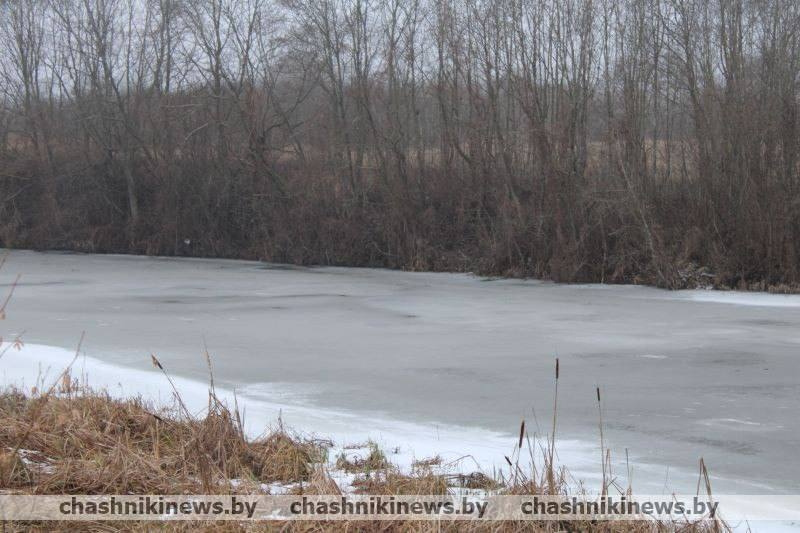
(63, 437)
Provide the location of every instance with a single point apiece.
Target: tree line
(577, 140)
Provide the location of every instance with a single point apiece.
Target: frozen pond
(445, 356)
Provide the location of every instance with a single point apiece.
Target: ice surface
(743, 298)
(39, 366)
(446, 363)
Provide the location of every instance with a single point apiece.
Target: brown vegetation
(73, 440)
(88, 443)
(632, 141)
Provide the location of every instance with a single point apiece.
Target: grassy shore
(70, 439)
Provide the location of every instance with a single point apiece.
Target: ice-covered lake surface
(445, 363)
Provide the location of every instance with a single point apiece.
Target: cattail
(521, 433)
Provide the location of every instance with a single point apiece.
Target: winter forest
(652, 141)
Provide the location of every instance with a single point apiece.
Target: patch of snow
(36, 460)
(758, 299)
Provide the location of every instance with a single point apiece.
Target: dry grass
(73, 440)
(373, 460)
(89, 443)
